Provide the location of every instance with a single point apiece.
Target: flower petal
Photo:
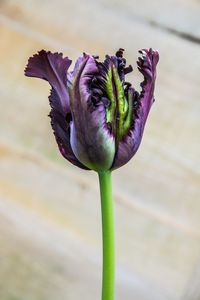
(61, 128)
(53, 68)
(147, 66)
(128, 146)
(90, 138)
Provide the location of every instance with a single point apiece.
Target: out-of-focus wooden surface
(50, 234)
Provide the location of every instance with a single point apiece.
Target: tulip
(98, 119)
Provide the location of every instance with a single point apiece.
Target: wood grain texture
(50, 234)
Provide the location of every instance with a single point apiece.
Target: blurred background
(50, 223)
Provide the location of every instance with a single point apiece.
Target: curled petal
(147, 66)
(51, 67)
(128, 146)
(90, 138)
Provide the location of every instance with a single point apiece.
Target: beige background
(50, 234)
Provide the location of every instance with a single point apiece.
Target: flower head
(97, 117)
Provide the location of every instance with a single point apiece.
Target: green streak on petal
(122, 104)
(110, 111)
(129, 116)
(119, 112)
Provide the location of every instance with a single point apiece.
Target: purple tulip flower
(97, 117)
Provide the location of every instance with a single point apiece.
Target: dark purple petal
(52, 67)
(61, 128)
(91, 140)
(147, 66)
(128, 146)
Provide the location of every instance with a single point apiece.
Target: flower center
(116, 94)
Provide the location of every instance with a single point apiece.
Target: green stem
(107, 212)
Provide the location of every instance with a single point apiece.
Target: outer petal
(61, 128)
(53, 68)
(128, 146)
(90, 138)
(147, 66)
